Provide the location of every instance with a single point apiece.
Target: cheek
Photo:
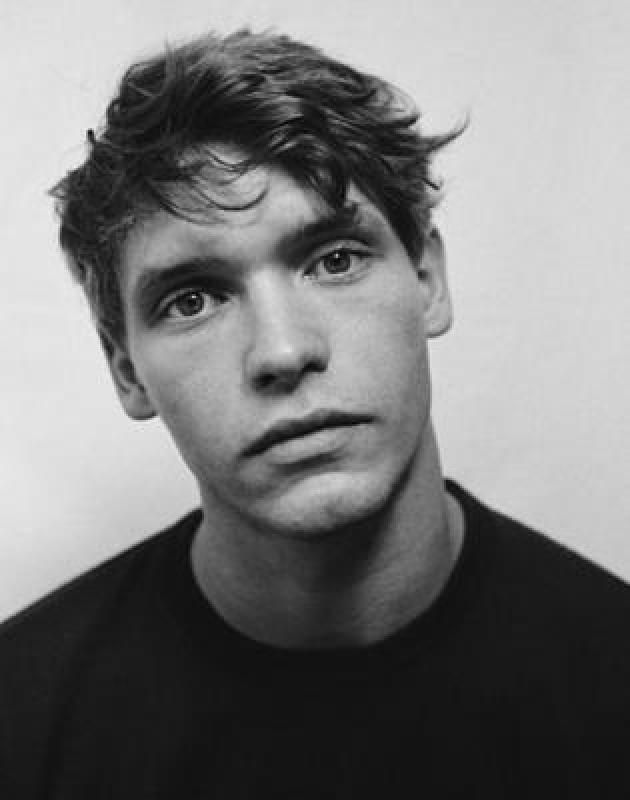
(390, 344)
(191, 398)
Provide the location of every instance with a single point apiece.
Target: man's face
(284, 347)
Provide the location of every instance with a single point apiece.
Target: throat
(352, 590)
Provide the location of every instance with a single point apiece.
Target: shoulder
(543, 629)
(541, 594)
(55, 625)
(80, 642)
(526, 558)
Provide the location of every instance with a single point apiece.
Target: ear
(438, 309)
(131, 393)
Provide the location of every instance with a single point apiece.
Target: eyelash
(355, 255)
(357, 258)
(166, 308)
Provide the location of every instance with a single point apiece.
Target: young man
(253, 230)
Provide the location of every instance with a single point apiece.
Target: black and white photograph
(315, 427)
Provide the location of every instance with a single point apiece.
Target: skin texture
(337, 535)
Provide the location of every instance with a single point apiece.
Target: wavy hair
(276, 101)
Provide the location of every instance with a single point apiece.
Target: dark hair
(278, 102)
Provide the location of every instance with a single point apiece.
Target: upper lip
(285, 429)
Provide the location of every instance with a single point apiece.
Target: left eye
(339, 262)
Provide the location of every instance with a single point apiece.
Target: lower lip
(323, 443)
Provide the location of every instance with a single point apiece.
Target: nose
(288, 338)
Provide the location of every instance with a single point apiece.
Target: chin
(325, 505)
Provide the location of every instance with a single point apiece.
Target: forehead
(235, 217)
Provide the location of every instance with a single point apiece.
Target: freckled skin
(283, 344)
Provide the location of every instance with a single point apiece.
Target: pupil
(190, 304)
(337, 261)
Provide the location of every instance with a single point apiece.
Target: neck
(350, 588)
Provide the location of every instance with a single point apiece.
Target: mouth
(289, 429)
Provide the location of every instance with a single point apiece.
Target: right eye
(191, 303)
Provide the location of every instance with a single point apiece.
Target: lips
(285, 430)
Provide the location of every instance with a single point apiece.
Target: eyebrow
(153, 281)
(350, 220)
(331, 224)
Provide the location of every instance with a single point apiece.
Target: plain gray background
(532, 386)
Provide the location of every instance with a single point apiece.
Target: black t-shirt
(514, 684)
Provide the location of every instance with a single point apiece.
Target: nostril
(278, 379)
(287, 344)
(265, 381)
(285, 374)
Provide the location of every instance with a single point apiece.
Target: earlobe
(131, 393)
(438, 309)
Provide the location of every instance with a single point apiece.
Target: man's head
(276, 101)
(253, 229)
